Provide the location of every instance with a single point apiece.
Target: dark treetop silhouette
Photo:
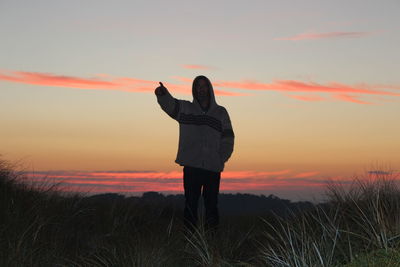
(206, 141)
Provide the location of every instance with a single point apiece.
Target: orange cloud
(49, 79)
(226, 93)
(326, 35)
(199, 67)
(286, 86)
(298, 86)
(307, 97)
(99, 82)
(251, 174)
(105, 82)
(339, 90)
(349, 98)
(216, 91)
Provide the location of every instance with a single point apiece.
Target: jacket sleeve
(169, 104)
(227, 138)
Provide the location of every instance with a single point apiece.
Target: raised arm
(227, 138)
(168, 103)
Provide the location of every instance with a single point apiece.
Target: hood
(213, 103)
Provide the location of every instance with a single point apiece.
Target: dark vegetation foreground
(42, 226)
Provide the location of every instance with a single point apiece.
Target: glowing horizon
(308, 185)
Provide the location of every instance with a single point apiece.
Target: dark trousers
(194, 180)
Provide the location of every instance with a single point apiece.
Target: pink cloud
(326, 35)
(307, 97)
(99, 82)
(349, 98)
(253, 174)
(139, 181)
(338, 90)
(226, 93)
(198, 67)
(216, 91)
(48, 79)
(299, 86)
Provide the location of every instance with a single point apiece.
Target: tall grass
(44, 226)
(358, 219)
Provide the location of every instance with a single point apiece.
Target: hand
(161, 90)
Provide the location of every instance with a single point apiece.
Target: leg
(210, 195)
(192, 186)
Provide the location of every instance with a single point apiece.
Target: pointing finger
(161, 84)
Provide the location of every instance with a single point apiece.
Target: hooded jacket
(206, 137)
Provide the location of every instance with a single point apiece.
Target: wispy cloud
(307, 97)
(337, 90)
(299, 86)
(349, 98)
(98, 82)
(312, 90)
(197, 67)
(324, 35)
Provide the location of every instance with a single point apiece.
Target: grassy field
(42, 226)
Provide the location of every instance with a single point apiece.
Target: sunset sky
(312, 89)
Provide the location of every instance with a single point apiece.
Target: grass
(359, 220)
(358, 225)
(377, 258)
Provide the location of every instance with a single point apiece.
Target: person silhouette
(206, 141)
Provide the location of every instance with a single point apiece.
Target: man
(206, 142)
